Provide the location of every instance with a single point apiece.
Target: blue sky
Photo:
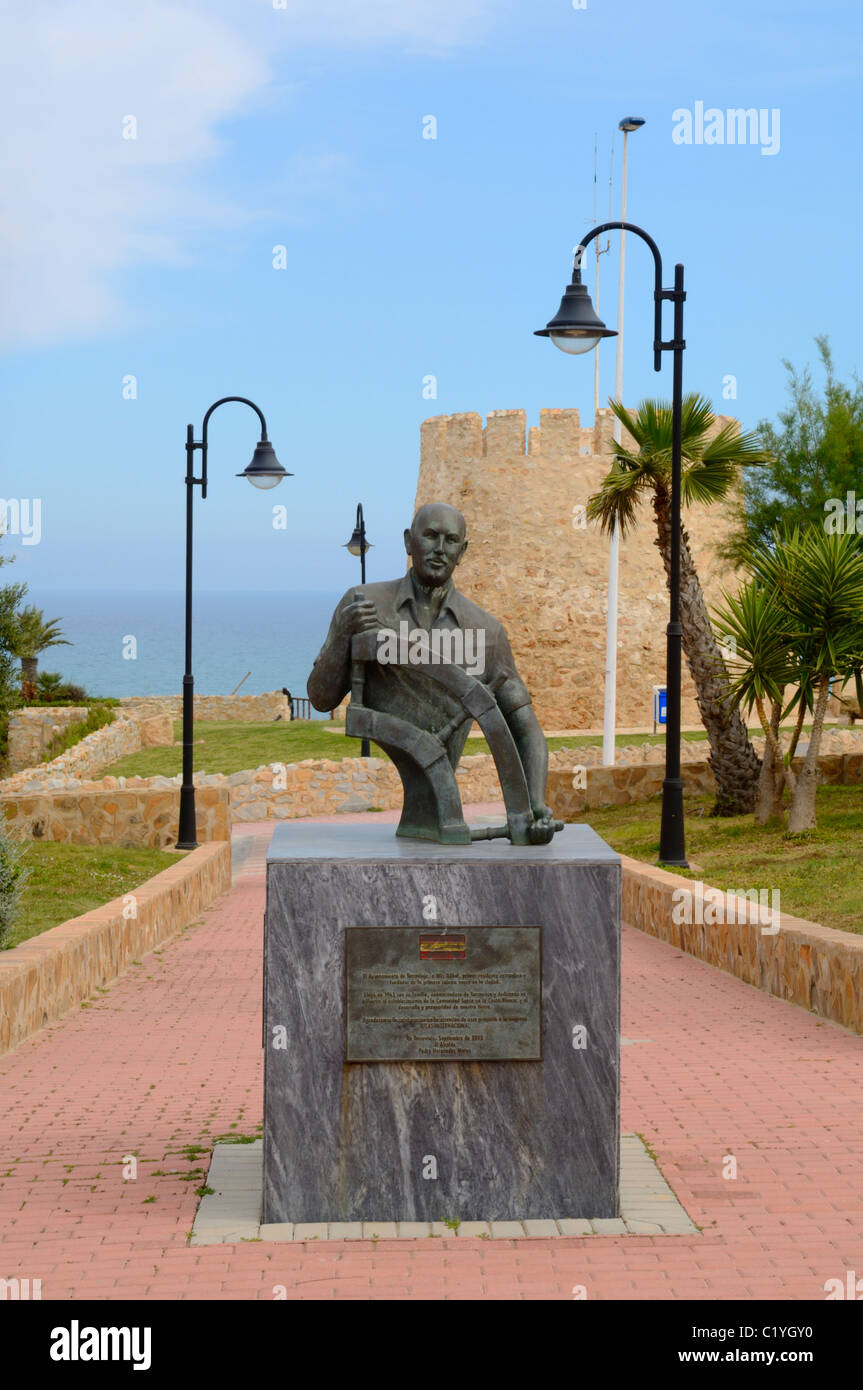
(405, 257)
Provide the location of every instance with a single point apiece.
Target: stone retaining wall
(817, 967)
(32, 731)
(114, 817)
(623, 785)
(127, 733)
(43, 977)
(241, 709)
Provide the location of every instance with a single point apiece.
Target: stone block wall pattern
(31, 732)
(127, 733)
(625, 784)
(41, 979)
(147, 817)
(546, 579)
(242, 709)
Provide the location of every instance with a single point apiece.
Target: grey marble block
(510, 1140)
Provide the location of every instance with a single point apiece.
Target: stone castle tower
(536, 565)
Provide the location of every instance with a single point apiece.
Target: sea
(133, 643)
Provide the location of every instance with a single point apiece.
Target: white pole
(610, 713)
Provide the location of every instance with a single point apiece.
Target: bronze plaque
(468, 994)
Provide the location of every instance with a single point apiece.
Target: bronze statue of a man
(415, 626)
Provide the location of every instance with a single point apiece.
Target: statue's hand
(358, 616)
(543, 830)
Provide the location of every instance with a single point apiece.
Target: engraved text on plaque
(463, 994)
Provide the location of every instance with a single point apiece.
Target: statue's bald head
(436, 542)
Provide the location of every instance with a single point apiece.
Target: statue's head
(435, 542)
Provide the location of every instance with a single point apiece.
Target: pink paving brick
(170, 1056)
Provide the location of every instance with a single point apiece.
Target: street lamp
(358, 545)
(263, 471)
(609, 718)
(576, 328)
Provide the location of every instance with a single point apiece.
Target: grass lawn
(66, 880)
(232, 747)
(818, 877)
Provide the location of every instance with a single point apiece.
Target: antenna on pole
(599, 251)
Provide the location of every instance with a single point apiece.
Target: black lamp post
(576, 328)
(264, 471)
(358, 545)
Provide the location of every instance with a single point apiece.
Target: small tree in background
(762, 667)
(35, 635)
(816, 456)
(798, 621)
(11, 596)
(13, 877)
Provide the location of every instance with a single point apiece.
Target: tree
(13, 876)
(756, 628)
(11, 596)
(798, 620)
(816, 460)
(49, 685)
(35, 634)
(709, 469)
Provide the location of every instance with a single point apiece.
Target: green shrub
(13, 876)
(98, 717)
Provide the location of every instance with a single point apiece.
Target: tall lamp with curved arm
(576, 328)
(263, 471)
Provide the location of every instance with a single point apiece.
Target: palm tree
(709, 469)
(756, 626)
(818, 579)
(34, 635)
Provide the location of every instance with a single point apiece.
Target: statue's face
(436, 543)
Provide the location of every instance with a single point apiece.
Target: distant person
(290, 699)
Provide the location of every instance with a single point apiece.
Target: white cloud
(79, 202)
(429, 25)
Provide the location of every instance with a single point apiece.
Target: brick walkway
(170, 1056)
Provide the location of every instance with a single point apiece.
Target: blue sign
(660, 704)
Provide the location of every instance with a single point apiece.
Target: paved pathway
(170, 1056)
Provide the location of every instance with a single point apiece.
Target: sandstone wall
(624, 784)
(242, 709)
(545, 578)
(127, 733)
(31, 732)
(115, 817)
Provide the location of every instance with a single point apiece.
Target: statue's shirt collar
(451, 602)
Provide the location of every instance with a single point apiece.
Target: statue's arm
(533, 751)
(514, 701)
(330, 679)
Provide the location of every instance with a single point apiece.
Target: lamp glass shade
(573, 343)
(264, 471)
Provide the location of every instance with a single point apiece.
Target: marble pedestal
(509, 1140)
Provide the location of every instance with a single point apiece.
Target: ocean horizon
(273, 637)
